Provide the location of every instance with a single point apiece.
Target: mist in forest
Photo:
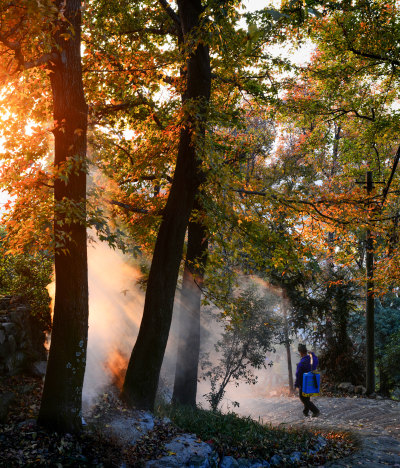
(115, 311)
(272, 381)
(116, 308)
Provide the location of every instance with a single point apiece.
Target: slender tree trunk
(62, 395)
(185, 385)
(287, 345)
(370, 304)
(143, 371)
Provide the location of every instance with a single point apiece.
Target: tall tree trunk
(370, 303)
(287, 344)
(185, 385)
(62, 395)
(143, 371)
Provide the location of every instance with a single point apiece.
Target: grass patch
(238, 436)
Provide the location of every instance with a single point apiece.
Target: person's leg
(313, 408)
(305, 401)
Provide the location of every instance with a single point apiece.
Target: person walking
(308, 363)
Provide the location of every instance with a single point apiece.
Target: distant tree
(249, 332)
(387, 328)
(390, 362)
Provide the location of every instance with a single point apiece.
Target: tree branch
(381, 58)
(43, 60)
(141, 101)
(129, 207)
(19, 57)
(342, 112)
(134, 209)
(394, 167)
(157, 31)
(171, 13)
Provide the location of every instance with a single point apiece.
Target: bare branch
(129, 207)
(135, 209)
(394, 167)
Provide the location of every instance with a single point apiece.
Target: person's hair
(302, 348)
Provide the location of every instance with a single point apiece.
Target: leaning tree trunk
(62, 395)
(143, 371)
(185, 385)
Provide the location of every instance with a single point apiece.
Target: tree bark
(185, 385)
(287, 344)
(143, 371)
(62, 395)
(370, 304)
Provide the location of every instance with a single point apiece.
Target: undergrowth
(238, 436)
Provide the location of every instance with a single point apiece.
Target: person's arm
(296, 383)
(299, 375)
(315, 362)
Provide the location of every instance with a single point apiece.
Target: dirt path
(376, 422)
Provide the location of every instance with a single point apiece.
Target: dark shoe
(306, 412)
(314, 415)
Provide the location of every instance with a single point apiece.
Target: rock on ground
(129, 429)
(185, 450)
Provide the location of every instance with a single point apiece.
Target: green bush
(26, 276)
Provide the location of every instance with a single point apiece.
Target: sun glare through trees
(209, 192)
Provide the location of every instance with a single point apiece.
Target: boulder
(5, 302)
(295, 457)
(360, 390)
(259, 464)
(12, 343)
(185, 450)
(197, 461)
(244, 463)
(229, 462)
(130, 430)
(346, 386)
(16, 362)
(276, 460)
(21, 337)
(39, 368)
(20, 315)
(4, 349)
(9, 328)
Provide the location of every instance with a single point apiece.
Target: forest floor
(376, 422)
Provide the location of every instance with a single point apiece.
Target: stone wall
(21, 339)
